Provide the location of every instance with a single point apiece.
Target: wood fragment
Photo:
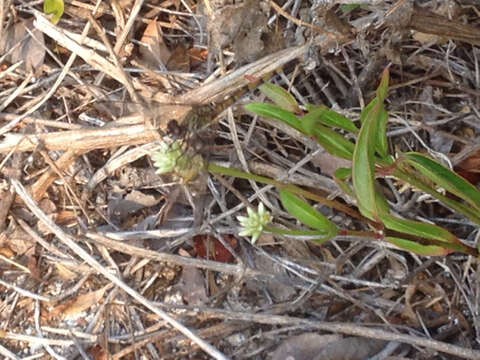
(429, 23)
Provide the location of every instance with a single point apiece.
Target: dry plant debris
(100, 257)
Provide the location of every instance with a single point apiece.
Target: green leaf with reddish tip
(382, 89)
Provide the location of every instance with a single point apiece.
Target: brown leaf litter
(100, 256)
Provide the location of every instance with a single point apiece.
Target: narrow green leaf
(294, 232)
(463, 208)
(275, 112)
(280, 97)
(381, 115)
(312, 234)
(363, 169)
(322, 114)
(348, 7)
(371, 203)
(444, 177)
(305, 213)
(333, 142)
(309, 122)
(417, 248)
(54, 7)
(417, 228)
(382, 143)
(367, 109)
(380, 202)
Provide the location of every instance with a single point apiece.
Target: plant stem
(289, 187)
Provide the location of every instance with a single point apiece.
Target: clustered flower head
(253, 224)
(174, 158)
(165, 158)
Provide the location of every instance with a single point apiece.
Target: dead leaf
(155, 52)
(23, 47)
(179, 60)
(18, 240)
(408, 312)
(350, 348)
(80, 303)
(5, 251)
(303, 347)
(248, 44)
(399, 14)
(33, 264)
(65, 217)
(49, 208)
(428, 38)
(97, 352)
(279, 291)
(329, 163)
(241, 26)
(64, 272)
(4, 248)
(391, 53)
(218, 252)
(469, 167)
(192, 286)
(197, 56)
(334, 22)
(120, 208)
(398, 269)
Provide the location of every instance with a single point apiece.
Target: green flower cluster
(174, 158)
(253, 224)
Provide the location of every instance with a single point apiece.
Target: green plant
(370, 161)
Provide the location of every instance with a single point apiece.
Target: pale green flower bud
(253, 224)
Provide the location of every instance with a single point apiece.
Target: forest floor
(102, 257)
